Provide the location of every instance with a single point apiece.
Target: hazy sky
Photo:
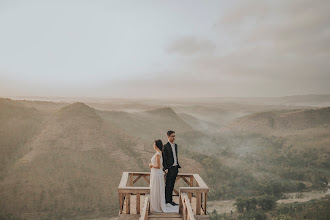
(164, 48)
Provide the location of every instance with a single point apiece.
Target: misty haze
(87, 87)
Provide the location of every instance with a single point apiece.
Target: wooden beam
(180, 204)
(140, 173)
(137, 178)
(123, 180)
(134, 190)
(187, 212)
(205, 202)
(146, 178)
(144, 214)
(184, 179)
(200, 181)
(198, 203)
(189, 196)
(189, 209)
(120, 203)
(127, 198)
(138, 203)
(191, 181)
(194, 189)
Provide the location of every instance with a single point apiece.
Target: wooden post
(131, 179)
(198, 203)
(128, 195)
(205, 200)
(120, 203)
(149, 205)
(184, 211)
(189, 196)
(137, 203)
(191, 181)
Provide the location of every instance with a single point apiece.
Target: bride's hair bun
(159, 144)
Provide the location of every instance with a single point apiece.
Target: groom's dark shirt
(168, 159)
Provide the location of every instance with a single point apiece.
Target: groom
(171, 166)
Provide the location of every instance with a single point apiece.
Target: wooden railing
(125, 191)
(196, 188)
(145, 209)
(185, 209)
(200, 191)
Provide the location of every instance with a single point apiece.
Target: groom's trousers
(170, 181)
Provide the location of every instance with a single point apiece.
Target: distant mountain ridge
(282, 119)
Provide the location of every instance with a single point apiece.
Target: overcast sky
(164, 48)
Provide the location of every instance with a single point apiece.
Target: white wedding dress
(157, 189)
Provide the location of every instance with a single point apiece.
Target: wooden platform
(154, 215)
(134, 198)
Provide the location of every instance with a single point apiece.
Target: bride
(157, 183)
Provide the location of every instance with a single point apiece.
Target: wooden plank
(184, 179)
(131, 179)
(136, 187)
(148, 206)
(123, 180)
(205, 203)
(138, 203)
(164, 215)
(189, 196)
(120, 203)
(140, 173)
(141, 190)
(200, 181)
(180, 204)
(127, 198)
(146, 178)
(137, 178)
(184, 207)
(191, 181)
(187, 212)
(194, 189)
(144, 214)
(198, 203)
(185, 174)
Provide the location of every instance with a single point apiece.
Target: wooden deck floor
(133, 204)
(165, 216)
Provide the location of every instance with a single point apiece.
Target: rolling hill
(299, 128)
(153, 124)
(71, 163)
(282, 120)
(18, 123)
